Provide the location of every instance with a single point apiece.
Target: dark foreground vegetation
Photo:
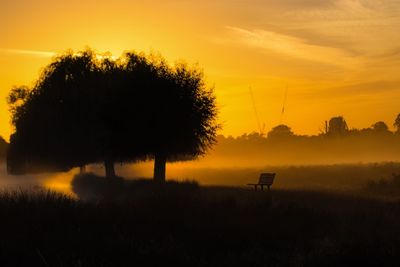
(184, 224)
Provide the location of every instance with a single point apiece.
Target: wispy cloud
(291, 46)
(34, 53)
(369, 88)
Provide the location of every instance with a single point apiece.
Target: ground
(185, 224)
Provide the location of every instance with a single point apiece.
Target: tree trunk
(160, 161)
(109, 166)
(82, 169)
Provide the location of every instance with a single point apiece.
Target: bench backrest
(266, 178)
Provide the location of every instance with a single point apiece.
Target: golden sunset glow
(116, 150)
(336, 57)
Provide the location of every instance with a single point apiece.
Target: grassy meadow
(338, 215)
(183, 224)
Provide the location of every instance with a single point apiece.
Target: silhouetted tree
(380, 127)
(179, 111)
(52, 120)
(337, 126)
(109, 115)
(280, 131)
(61, 123)
(85, 109)
(255, 137)
(397, 123)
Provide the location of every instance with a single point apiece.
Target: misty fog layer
(54, 181)
(342, 177)
(254, 150)
(334, 162)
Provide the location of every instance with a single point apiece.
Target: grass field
(334, 177)
(142, 224)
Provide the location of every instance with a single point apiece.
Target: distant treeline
(336, 126)
(336, 144)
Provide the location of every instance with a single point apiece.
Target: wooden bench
(266, 179)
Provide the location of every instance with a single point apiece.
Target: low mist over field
(344, 160)
(337, 177)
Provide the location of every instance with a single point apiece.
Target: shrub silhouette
(93, 188)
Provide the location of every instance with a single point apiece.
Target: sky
(318, 58)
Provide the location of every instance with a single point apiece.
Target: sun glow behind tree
(336, 56)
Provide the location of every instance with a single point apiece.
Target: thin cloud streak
(292, 46)
(27, 52)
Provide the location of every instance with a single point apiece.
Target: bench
(266, 179)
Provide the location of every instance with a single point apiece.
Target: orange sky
(337, 57)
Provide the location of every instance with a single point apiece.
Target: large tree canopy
(174, 108)
(55, 126)
(88, 109)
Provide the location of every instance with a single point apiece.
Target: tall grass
(187, 225)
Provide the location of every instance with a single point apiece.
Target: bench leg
(269, 188)
(262, 187)
(255, 187)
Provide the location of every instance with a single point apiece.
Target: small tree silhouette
(337, 126)
(280, 131)
(397, 123)
(380, 127)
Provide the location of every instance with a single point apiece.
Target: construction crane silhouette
(284, 105)
(260, 128)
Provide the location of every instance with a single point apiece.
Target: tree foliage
(55, 123)
(337, 126)
(88, 109)
(397, 123)
(380, 127)
(176, 111)
(280, 131)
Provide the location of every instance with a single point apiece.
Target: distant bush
(387, 186)
(90, 187)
